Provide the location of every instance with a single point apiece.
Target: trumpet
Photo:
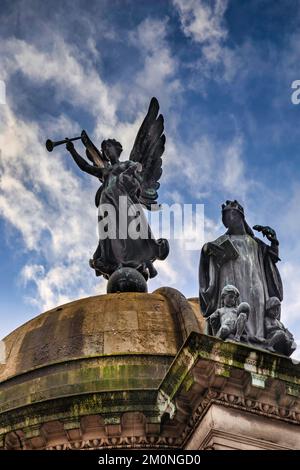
(50, 144)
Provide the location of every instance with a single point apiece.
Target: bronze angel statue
(136, 180)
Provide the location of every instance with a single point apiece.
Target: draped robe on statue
(122, 181)
(253, 272)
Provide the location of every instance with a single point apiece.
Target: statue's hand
(134, 168)
(267, 232)
(69, 146)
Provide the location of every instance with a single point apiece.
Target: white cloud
(58, 285)
(207, 167)
(43, 201)
(157, 77)
(2, 92)
(49, 216)
(296, 354)
(233, 177)
(291, 303)
(72, 80)
(203, 22)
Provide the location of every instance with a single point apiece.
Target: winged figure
(134, 183)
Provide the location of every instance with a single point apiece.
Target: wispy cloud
(42, 200)
(204, 23)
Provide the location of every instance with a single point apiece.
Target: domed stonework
(87, 373)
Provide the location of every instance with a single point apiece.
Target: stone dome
(98, 356)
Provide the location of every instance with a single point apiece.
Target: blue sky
(222, 72)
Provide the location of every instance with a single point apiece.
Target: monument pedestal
(238, 398)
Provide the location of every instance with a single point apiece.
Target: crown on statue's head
(233, 205)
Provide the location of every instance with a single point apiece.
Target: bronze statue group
(240, 285)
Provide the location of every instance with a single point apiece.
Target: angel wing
(148, 148)
(93, 154)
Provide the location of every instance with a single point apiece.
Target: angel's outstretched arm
(82, 163)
